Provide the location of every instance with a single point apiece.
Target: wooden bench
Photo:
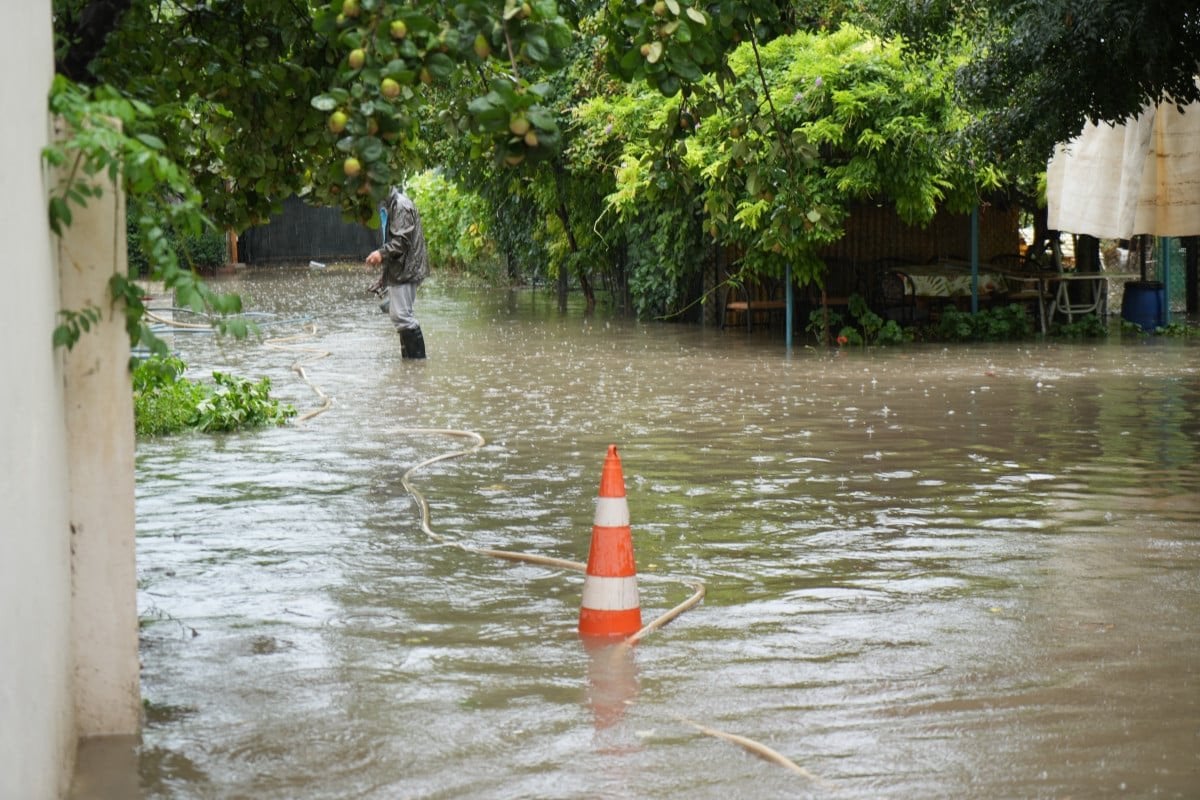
(767, 304)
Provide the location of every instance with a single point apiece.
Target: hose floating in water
(477, 442)
(698, 587)
(315, 354)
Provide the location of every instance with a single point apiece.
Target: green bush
(1086, 327)
(165, 402)
(817, 319)
(868, 328)
(988, 325)
(455, 225)
(240, 403)
(205, 252)
(1127, 328)
(1179, 329)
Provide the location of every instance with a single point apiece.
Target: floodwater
(931, 572)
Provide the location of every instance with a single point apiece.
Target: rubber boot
(412, 343)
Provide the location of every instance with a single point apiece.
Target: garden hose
(314, 354)
(698, 587)
(476, 442)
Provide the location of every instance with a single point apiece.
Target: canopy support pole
(787, 304)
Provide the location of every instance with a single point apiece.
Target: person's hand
(374, 259)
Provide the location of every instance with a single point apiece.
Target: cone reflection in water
(612, 681)
(610, 595)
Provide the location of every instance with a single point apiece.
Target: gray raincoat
(405, 257)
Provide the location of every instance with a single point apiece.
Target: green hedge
(205, 252)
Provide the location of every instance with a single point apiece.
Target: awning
(1141, 177)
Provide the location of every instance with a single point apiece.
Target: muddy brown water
(932, 571)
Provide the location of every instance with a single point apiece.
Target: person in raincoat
(404, 259)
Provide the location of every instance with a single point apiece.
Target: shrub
(205, 252)
(1086, 327)
(240, 403)
(1179, 329)
(989, 325)
(165, 402)
(817, 319)
(455, 225)
(868, 328)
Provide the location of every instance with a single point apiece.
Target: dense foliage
(1001, 323)
(166, 402)
(1043, 69)
(203, 252)
(824, 120)
(456, 225)
(107, 137)
(620, 145)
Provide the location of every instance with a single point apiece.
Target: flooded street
(932, 572)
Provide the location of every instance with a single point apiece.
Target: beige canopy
(1140, 177)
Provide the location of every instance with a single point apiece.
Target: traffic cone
(610, 595)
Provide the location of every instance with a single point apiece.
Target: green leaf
(536, 48)
(542, 118)
(324, 102)
(153, 142)
(686, 69)
(505, 91)
(64, 337)
(371, 148)
(60, 214)
(482, 105)
(441, 65)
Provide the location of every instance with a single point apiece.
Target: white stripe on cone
(611, 512)
(610, 594)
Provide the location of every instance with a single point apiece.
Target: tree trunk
(585, 285)
(88, 33)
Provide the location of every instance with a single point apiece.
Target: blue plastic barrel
(1145, 303)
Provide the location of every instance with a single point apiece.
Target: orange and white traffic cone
(610, 594)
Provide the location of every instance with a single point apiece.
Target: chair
(1026, 280)
(754, 301)
(893, 294)
(1020, 277)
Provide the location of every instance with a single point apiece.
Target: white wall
(98, 408)
(37, 738)
(45, 670)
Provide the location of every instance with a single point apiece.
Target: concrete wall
(45, 670)
(37, 736)
(98, 409)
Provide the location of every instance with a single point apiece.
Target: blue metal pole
(1164, 246)
(787, 304)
